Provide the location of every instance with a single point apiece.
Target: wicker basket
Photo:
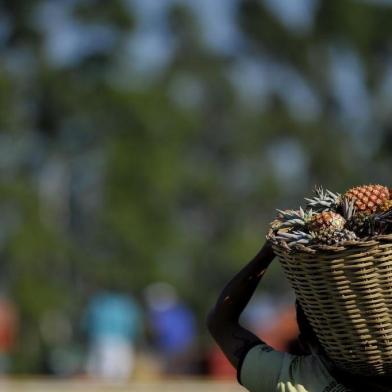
(346, 294)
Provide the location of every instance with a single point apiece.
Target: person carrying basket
(317, 368)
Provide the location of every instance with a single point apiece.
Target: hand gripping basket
(346, 294)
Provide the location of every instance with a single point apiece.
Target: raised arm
(223, 320)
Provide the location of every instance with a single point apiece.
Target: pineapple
(328, 228)
(366, 225)
(326, 220)
(369, 202)
(332, 219)
(331, 236)
(387, 205)
(309, 220)
(299, 227)
(368, 198)
(361, 224)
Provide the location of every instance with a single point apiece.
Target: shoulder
(265, 369)
(260, 368)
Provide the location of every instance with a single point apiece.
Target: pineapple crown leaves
(380, 223)
(298, 238)
(374, 224)
(323, 199)
(295, 237)
(291, 218)
(333, 219)
(384, 217)
(348, 208)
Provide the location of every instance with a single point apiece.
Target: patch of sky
(240, 178)
(217, 21)
(348, 83)
(148, 52)
(300, 99)
(249, 77)
(289, 163)
(383, 106)
(67, 40)
(258, 77)
(150, 47)
(297, 16)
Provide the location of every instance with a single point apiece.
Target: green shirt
(265, 369)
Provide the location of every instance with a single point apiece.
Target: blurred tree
(116, 173)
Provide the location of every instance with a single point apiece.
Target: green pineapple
(361, 224)
(332, 237)
(371, 225)
(295, 228)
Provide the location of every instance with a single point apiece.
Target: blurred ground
(76, 386)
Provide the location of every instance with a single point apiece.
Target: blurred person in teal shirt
(113, 323)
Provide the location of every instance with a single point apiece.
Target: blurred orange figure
(283, 332)
(8, 328)
(218, 365)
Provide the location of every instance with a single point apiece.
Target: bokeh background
(144, 147)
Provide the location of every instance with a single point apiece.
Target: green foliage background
(112, 175)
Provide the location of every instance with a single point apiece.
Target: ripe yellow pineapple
(327, 228)
(367, 198)
(325, 220)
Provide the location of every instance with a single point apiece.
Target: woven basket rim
(367, 242)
